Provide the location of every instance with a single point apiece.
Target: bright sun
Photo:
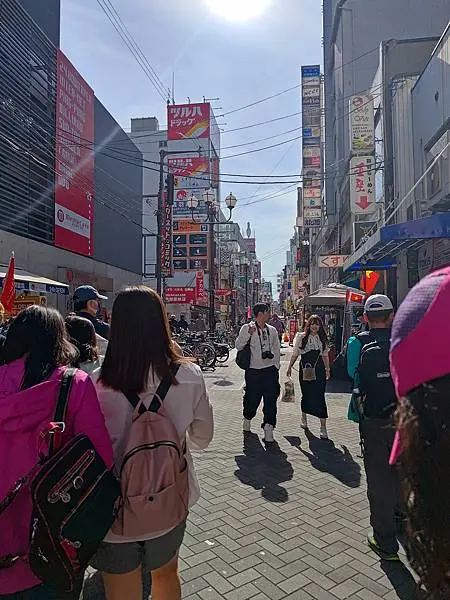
(238, 10)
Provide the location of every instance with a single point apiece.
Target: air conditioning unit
(438, 176)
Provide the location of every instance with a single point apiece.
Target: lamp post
(213, 216)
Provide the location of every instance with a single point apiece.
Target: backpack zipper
(147, 447)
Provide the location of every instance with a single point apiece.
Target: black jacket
(101, 328)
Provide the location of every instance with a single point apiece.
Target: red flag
(369, 281)
(9, 289)
(354, 297)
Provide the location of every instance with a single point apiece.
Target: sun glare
(238, 10)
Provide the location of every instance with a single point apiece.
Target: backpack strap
(160, 394)
(59, 418)
(163, 389)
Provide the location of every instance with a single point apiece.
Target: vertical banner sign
(188, 121)
(362, 127)
(312, 147)
(293, 329)
(166, 239)
(199, 287)
(362, 188)
(74, 160)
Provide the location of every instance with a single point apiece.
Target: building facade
(375, 49)
(412, 236)
(38, 165)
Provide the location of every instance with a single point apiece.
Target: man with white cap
(368, 365)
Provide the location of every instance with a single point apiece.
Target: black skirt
(313, 392)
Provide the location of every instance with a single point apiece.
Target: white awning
(26, 281)
(333, 294)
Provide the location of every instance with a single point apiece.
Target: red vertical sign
(74, 160)
(199, 287)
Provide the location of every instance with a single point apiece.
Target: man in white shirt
(262, 378)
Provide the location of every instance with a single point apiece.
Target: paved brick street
(286, 522)
(283, 523)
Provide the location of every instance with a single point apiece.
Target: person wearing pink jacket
(36, 354)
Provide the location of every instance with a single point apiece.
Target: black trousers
(259, 384)
(383, 484)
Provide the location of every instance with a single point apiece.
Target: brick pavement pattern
(283, 522)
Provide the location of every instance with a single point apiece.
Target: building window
(410, 213)
(163, 143)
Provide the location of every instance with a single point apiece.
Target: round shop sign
(60, 215)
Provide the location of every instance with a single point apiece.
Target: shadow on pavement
(325, 457)
(402, 581)
(264, 468)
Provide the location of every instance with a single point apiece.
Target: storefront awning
(26, 281)
(333, 294)
(379, 251)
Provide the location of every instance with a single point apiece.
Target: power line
(133, 47)
(276, 95)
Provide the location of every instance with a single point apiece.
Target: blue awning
(379, 251)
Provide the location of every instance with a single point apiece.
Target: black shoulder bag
(74, 496)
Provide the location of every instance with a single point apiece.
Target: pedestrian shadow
(402, 581)
(264, 468)
(326, 458)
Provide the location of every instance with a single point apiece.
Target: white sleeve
(201, 431)
(242, 338)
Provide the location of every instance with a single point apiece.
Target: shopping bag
(289, 391)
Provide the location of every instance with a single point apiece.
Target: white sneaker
(323, 433)
(268, 433)
(304, 423)
(246, 425)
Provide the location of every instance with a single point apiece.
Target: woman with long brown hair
(140, 360)
(312, 346)
(420, 366)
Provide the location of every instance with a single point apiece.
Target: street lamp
(212, 205)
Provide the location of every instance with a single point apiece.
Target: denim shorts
(118, 559)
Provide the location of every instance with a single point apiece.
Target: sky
(213, 55)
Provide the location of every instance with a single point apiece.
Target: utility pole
(159, 220)
(211, 269)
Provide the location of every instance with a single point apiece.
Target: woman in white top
(312, 347)
(139, 356)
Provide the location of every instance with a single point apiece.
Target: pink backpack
(154, 472)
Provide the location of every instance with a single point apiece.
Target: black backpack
(74, 496)
(374, 376)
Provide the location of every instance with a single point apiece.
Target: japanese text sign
(74, 160)
(361, 119)
(166, 240)
(191, 172)
(362, 185)
(188, 121)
